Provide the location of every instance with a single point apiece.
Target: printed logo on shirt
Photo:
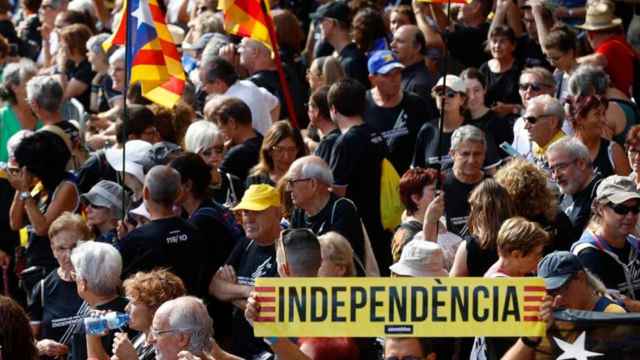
(261, 270)
(443, 161)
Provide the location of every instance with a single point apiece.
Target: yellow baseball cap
(259, 197)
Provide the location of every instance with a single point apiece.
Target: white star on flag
(576, 350)
(143, 14)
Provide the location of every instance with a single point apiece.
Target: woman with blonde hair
(324, 71)
(533, 200)
(337, 256)
(490, 206)
(282, 144)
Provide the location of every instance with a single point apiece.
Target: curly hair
(16, 338)
(527, 186)
(154, 288)
(633, 138)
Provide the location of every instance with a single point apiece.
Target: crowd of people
(513, 127)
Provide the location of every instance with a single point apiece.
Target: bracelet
(530, 342)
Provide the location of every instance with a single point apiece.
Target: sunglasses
(530, 86)
(624, 210)
(534, 119)
(448, 93)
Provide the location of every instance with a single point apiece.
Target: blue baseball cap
(382, 62)
(557, 268)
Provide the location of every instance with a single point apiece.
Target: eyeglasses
(96, 207)
(218, 149)
(156, 333)
(561, 166)
(530, 86)
(408, 357)
(534, 119)
(291, 182)
(623, 209)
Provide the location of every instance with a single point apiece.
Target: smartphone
(510, 149)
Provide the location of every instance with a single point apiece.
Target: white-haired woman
(337, 256)
(205, 139)
(97, 270)
(16, 114)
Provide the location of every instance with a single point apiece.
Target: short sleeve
(269, 99)
(341, 163)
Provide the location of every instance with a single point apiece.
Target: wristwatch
(531, 342)
(24, 195)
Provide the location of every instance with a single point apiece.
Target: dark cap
(558, 267)
(160, 153)
(337, 10)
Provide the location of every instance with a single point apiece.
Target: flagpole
(276, 53)
(439, 182)
(125, 110)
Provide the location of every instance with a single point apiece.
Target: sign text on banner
(425, 307)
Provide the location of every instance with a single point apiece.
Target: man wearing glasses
(252, 258)
(571, 168)
(543, 121)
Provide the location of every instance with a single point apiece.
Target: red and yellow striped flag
(245, 18)
(154, 60)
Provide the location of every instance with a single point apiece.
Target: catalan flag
(245, 18)
(154, 60)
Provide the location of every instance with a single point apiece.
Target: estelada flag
(246, 18)
(154, 60)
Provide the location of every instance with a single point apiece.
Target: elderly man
(168, 240)
(219, 77)
(410, 47)
(396, 114)
(256, 58)
(468, 151)
(309, 180)
(543, 120)
(97, 268)
(533, 82)
(45, 95)
(183, 327)
(252, 258)
(570, 167)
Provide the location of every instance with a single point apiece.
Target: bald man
(410, 48)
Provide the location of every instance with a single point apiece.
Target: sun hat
(600, 16)
(106, 194)
(420, 258)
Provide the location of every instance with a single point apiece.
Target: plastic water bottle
(100, 325)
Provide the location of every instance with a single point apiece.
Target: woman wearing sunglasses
(607, 247)
(587, 117)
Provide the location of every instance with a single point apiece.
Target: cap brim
(614, 23)
(405, 270)
(556, 282)
(95, 199)
(388, 68)
(141, 210)
(620, 197)
(251, 206)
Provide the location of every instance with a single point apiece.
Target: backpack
(391, 206)
(225, 217)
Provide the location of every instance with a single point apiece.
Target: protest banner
(426, 307)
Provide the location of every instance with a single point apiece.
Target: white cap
(135, 152)
(454, 83)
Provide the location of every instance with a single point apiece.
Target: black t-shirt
(479, 260)
(496, 129)
(456, 202)
(270, 80)
(502, 87)
(250, 261)
(259, 178)
(325, 146)
(83, 73)
(345, 221)
(8, 31)
(171, 243)
(609, 271)
(61, 304)
(577, 207)
(417, 79)
(398, 125)
(229, 191)
(428, 148)
(466, 44)
(242, 157)
(561, 232)
(354, 64)
(529, 53)
(356, 163)
(79, 341)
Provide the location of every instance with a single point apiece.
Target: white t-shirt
(521, 141)
(260, 101)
